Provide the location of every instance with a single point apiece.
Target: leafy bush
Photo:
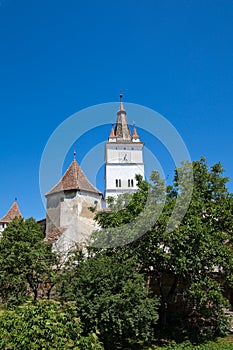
(45, 325)
(111, 297)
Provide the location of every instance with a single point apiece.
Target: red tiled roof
(135, 134)
(54, 234)
(112, 133)
(12, 213)
(73, 179)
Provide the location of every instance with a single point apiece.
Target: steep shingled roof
(112, 133)
(74, 179)
(122, 130)
(135, 134)
(12, 213)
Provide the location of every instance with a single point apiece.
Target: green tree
(129, 216)
(195, 257)
(112, 298)
(25, 260)
(44, 325)
(188, 265)
(64, 288)
(125, 208)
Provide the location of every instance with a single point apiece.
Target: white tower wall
(123, 157)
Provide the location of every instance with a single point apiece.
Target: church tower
(69, 220)
(123, 157)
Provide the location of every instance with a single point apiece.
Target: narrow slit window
(130, 183)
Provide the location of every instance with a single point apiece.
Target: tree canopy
(112, 299)
(161, 261)
(189, 266)
(25, 260)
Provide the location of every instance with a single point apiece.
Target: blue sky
(59, 57)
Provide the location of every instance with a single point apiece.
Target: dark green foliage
(206, 317)
(25, 261)
(188, 264)
(219, 344)
(66, 277)
(45, 325)
(111, 297)
(130, 215)
(125, 208)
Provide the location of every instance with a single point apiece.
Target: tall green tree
(187, 262)
(112, 298)
(25, 260)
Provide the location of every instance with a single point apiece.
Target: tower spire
(123, 156)
(121, 103)
(122, 131)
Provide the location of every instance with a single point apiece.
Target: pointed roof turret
(136, 137)
(12, 213)
(112, 133)
(122, 130)
(74, 179)
(135, 134)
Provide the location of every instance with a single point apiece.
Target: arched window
(118, 182)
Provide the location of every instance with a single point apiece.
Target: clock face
(124, 157)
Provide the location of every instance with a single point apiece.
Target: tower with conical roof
(123, 157)
(68, 218)
(13, 212)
